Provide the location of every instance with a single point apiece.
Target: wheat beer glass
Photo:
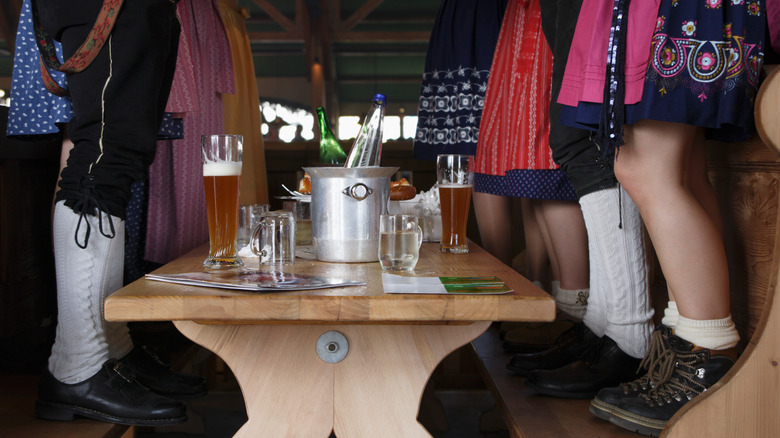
(222, 180)
(455, 174)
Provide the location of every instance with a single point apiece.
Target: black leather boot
(112, 395)
(655, 359)
(574, 344)
(534, 337)
(607, 365)
(157, 376)
(690, 372)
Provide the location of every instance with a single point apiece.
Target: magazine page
(254, 280)
(401, 284)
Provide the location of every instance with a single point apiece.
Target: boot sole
(636, 423)
(62, 412)
(601, 410)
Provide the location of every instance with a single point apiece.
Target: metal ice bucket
(345, 208)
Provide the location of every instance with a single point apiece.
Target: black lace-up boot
(608, 398)
(573, 344)
(687, 373)
(603, 366)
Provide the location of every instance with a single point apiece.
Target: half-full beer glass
(222, 180)
(455, 174)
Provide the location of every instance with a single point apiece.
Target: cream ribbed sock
(671, 315)
(572, 302)
(85, 277)
(619, 284)
(715, 334)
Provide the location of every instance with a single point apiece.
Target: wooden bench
(746, 402)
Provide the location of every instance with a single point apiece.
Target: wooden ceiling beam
(278, 16)
(359, 15)
(407, 36)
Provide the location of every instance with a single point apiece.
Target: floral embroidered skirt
(705, 60)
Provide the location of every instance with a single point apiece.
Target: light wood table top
(352, 360)
(146, 300)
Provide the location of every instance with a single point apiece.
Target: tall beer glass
(455, 174)
(222, 180)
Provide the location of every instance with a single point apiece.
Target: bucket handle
(358, 191)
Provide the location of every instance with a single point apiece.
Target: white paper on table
(398, 284)
(401, 284)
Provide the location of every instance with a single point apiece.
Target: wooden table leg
(374, 391)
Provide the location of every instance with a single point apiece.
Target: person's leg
(568, 243)
(494, 222)
(118, 101)
(655, 166)
(537, 261)
(616, 235)
(590, 174)
(651, 167)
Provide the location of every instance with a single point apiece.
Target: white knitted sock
(596, 313)
(715, 334)
(85, 277)
(619, 254)
(572, 302)
(671, 315)
(539, 284)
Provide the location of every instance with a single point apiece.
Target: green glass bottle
(330, 149)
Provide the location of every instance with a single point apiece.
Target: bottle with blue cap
(367, 149)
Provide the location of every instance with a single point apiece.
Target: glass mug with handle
(273, 240)
(222, 157)
(400, 238)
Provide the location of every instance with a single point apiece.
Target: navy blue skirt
(457, 67)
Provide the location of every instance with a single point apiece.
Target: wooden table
(393, 342)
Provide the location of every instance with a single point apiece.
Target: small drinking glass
(302, 213)
(274, 238)
(455, 174)
(400, 238)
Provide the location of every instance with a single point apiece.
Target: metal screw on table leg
(332, 347)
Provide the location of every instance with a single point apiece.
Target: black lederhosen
(118, 100)
(572, 148)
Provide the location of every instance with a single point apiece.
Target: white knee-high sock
(85, 277)
(619, 254)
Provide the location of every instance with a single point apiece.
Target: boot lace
(676, 379)
(655, 360)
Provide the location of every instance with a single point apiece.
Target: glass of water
(400, 238)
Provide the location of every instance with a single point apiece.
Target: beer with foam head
(222, 183)
(455, 175)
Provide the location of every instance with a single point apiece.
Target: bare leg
(493, 220)
(555, 268)
(569, 240)
(652, 168)
(535, 251)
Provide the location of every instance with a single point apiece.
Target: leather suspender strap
(84, 55)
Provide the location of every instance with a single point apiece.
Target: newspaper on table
(254, 280)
